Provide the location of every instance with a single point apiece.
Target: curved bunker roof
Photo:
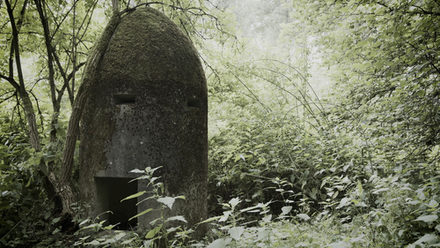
(147, 47)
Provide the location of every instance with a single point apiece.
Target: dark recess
(193, 103)
(124, 99)
(110, 193)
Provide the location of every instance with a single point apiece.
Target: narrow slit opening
(121, 99)
(193, 103)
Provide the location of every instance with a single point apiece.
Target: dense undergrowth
(311, 189)
(270, 187)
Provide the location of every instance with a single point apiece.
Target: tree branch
(268, 110)
(8, 97)
(67, 80)
(50, 52)
(11, 81)
(89, 78)
(27, 103)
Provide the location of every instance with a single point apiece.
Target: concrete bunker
(147, 106)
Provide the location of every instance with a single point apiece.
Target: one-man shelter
(146, 107)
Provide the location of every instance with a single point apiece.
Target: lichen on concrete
(147, 106)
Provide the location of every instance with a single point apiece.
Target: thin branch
(37, 81)
(11, 81)
(15, 46)
(214, 71)
(303, 77)
(268, 110)
(69, 77)
(293, 95)
(50, 52)
(192, 10)
(91, 11)
(8, 97)
(303, 95)
(40, 113)
(422, 11)
(58, 24)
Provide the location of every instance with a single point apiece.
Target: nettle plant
(162, 232)
(234, 228)
(95, 232)
(229, 228)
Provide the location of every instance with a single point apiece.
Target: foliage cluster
(375, 154)
(22, 196)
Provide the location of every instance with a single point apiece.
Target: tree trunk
(34, 138)
(89, 77)
(58, 187)
(62, 189)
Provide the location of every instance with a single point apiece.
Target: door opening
(111, 191)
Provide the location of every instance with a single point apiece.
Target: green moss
(145, 55)
(148, 47)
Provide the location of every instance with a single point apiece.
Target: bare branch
(91, 11)
(8, 97)
(268, 110)
(40, 113)
(58, 24)
(50, 52)
(11, 81)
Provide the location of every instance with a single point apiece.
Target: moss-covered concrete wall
(147, 107)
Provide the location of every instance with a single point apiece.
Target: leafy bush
(21, 194)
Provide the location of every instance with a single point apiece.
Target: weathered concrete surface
(148, 107)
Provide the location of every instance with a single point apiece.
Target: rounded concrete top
(147, 47)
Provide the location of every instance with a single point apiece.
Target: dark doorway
(110, 193)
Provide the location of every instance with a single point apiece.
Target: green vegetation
(324, 122)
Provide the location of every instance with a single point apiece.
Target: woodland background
(324, 121)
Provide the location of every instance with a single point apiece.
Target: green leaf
(259, 205)
(56, 220)
(210, 220)
(225, 216)
(234, 202)
(427, 218)
(167, 201)
(427, 238)
(236, 232)
(93, 243)
(179, 218)
(109, 227)
(360, 189)
(219, 243)
(146, 199)
(304, 217)
(153, 232)
(137, 171)
(141, 213)
(139, 178)
(84, 222)
(344, 202)
(285, 210)
(129, 241)
(267, 218)
(134, 195)
(180, 197)
(340, 244)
